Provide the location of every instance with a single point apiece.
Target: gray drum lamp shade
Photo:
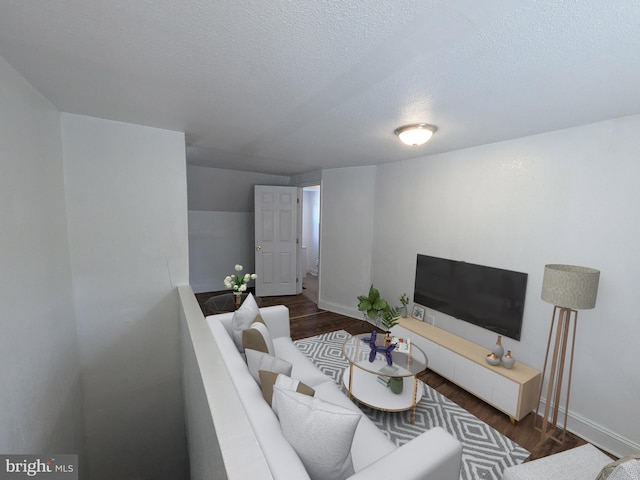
(570, 286)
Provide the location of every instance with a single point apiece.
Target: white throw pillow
(257, 337)
(629, 470)
(622, 469)
(320, 432)
(243, 318)
(268, 380)
(257, 361)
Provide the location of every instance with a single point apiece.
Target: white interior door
(276, 240)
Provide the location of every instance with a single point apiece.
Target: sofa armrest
(277, 320)
(435, 455)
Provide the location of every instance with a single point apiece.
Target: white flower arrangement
(237, 281)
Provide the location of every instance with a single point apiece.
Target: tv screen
(489, 297)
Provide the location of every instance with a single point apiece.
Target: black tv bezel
(508, 326)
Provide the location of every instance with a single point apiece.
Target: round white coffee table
(360, 378)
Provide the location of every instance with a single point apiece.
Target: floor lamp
(568, 288)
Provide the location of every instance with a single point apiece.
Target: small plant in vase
(389, 320)
(238, 282)
(404, 300)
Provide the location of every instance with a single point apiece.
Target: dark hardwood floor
(307, 320)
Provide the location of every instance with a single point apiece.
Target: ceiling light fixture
(416, 134)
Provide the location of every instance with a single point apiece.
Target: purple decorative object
(372, 338)
(387, 352)
(377, 349)
(372, 355)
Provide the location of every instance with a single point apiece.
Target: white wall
(569, 196)
(221, 223)
(346, 237)
(41, 394)
(127, 216)
(217, 241)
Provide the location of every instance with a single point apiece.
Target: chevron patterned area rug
(485, 451)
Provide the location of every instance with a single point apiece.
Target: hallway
(310, 287)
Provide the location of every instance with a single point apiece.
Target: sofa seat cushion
(303, 369)
(369, 443)
(321, 433)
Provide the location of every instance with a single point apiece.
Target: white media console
(513, 391)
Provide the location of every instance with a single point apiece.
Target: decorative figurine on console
(377, 349)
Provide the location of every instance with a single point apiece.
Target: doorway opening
(310, 251)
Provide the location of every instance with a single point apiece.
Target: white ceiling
(287, 87)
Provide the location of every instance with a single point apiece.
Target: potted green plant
(404, 300)
(390, 317)
(372, 304)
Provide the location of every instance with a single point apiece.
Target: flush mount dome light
(416, 134)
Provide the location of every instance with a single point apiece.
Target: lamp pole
(554, 387)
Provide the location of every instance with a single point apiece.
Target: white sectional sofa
(433, 455)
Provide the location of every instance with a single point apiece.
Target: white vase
(237, 299)
(498, 349)
(508, 361)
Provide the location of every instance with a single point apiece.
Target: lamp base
(554, 386)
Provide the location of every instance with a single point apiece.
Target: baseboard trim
(596, 434)
(332, 307)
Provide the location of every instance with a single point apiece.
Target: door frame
(301, 186)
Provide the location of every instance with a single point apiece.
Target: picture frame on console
(418, 312)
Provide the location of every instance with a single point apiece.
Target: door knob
(258, 248)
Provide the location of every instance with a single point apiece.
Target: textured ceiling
(287, 87)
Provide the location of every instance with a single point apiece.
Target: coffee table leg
(350, 379)
(415, 394)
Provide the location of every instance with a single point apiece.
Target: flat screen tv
(489, 297)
